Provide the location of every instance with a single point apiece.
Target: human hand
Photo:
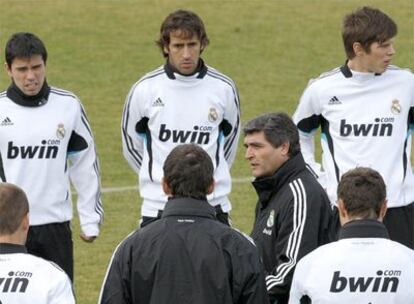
(87, 239)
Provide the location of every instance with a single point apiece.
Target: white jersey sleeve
(61, 291)
(132, 141)
(307, 117)
(84, 175)
(232, 116)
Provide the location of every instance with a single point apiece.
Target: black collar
(346, 71)
(363, 229)
(266, 186)
(12, 248)
(201, 70)
(182, 206)
(16, 95)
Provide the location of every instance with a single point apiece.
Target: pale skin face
(183, 52)
(376, 61)
(28, 74)
(264, 159)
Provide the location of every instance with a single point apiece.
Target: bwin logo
(363, 284)
(47, 150)
(15, 282)
(379, 128)
(183, 136)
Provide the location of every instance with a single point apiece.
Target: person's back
(27, 279)
(357, 270)
(187, 256)
(364, 265)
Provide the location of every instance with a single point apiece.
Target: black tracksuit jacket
(293, 217)
(187, 256)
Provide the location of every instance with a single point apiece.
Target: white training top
(42, 149)
(366, 120)
(27, 279)
(165, 109)
(356, 270)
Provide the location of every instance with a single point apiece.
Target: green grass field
(98, 49)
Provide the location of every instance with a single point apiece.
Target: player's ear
(358, 49)
(210, 188)
(343, 214)
(165, 187)
(8, 69)
(383, 210)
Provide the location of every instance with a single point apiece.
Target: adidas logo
(158, 103)
(6, 122)
(334, 100)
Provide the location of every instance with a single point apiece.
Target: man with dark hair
(46, 142)
(183, 101)
(365, 110)
(293, 214)
(364, 266)
(25, 278)
(187, 256)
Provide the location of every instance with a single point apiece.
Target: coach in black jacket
(293, 214)
(187, 256)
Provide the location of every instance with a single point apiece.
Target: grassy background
(98, 49)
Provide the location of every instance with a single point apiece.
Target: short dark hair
(363, 192)
(13, 207)
(24, 45)
(185, 21)
(188, 171)
(278, 128)
(366, 25)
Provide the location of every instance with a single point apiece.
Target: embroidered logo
(271, 219)
(6, 122)
(334, 100)
(396, 107)
(60, 132)
(158, 103)
(212, 115)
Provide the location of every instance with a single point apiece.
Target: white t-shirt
(27, 279)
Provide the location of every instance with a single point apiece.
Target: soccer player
(46, 142)
(187, 256)
(365, 110)
(25, 278)
(183, 101)
(293, 214)
(364, 266)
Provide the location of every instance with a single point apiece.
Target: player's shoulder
(43, 265)
(220, 77)
(62, 92)
(403, 72)
(3, 94)
(325, 77)
(152, 75)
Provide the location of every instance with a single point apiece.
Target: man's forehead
(184, 35)
(32, 60)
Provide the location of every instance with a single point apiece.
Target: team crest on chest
(60, 132)
(395, 107)
(271, 219)
(212, 115)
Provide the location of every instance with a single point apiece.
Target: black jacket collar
(267, 186)
(363, 229)
(183, 206)
(201, 70)
(12, 248)
(17, 96)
